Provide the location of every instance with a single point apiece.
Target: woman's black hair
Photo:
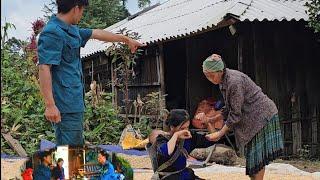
(59, 160)
(29, 164)
(64, 6)
(177, 117)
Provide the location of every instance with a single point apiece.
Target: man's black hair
(44, 154)
(64, 6)
(104, 153)
(177, 117)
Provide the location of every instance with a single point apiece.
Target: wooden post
(161, 75)
(91, 71)
(240, 49)
(187, 93)
(314, 130)
(296, 127)
(240, 65)
(158, 64)
(15, 145)
(255, 53)
(114, 89)
(296, 137)
(161, 81)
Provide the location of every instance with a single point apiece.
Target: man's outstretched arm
(106, 36)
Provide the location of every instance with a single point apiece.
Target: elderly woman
(249, 112)
(173, 147)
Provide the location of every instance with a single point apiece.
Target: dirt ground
(231, 176)
(308, 166)
(285, 172)
(279, 170)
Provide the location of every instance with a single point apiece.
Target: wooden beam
(114, 89)
(158, 64)
(187, 93)
(296, 136)
(161, 69)
(296, 128)
(240, 50)
(15, 145)
(143, 84)
(132, 116)
(255, 53)
(162, 77)
(314, 127)
(92, 71)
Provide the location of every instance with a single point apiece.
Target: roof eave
(227, 21)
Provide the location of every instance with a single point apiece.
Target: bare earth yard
(280, 170)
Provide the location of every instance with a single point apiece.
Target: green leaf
(114, 59)
(98, 128)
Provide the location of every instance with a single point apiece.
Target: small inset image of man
(67, 162)
(42, 169)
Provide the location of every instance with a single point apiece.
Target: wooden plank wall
(147, 79)
(97, 68)
(175, 74)
(147, 75)
(284, 65)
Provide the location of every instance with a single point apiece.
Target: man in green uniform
(60, 69)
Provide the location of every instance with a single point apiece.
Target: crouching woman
(172, 148)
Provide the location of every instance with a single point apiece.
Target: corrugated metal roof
(176, 18)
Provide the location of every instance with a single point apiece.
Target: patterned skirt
(265, 146)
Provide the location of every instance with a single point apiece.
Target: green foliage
(314, 14)
(4, 33)
(143, 126)
(21, 104)
(103, 13)
(16, 45)
(152, 102)
(22, 107)
(98, 15)
(124, 167)
(154, 105)
(102, 126)
(49, 9)
(305, 152)
(124, 61)
(143, 3)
